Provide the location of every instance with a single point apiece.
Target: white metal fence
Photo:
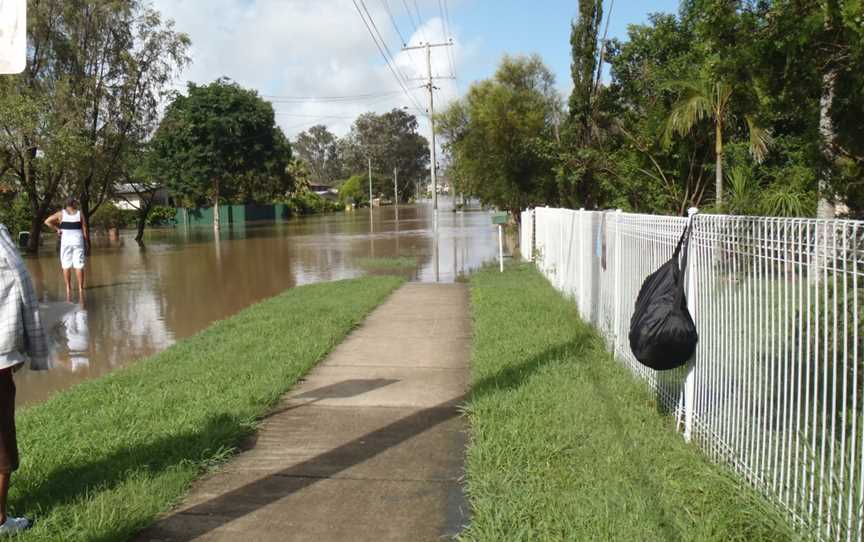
(774, 389)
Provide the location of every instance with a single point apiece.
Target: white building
(127, 198)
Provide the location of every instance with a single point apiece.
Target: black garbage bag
(662, 333)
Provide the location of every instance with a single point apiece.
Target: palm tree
(700, 99)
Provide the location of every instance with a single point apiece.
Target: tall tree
(392, 142)
(496, 135)
(318, 147)
(701, 99)
(584, 65)
(214, 138)
(96, 73)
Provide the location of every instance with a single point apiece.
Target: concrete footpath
(369, 447)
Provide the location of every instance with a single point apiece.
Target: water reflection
(140, 301)
(77, 338)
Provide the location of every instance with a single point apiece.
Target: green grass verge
(103, 459)
(386, 264)
(567, 445)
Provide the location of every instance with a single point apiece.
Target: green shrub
(161, 216)
(15, 213)
(108, 216)
(353, 190)
(308, 203)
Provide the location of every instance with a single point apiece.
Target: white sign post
(13, 36)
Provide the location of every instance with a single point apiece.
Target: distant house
(442, 188)
(127, 198)
(324, 191)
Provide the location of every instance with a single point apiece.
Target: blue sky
(289, 50)
(517, 28)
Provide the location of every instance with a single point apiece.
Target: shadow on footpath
(220, 435)
(227, 507)
(274, 487)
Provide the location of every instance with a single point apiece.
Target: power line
(392, 59)
(348, 98)
(302, 116)
(410, 16)
(393, 21)
(381, 49)
(419, 17)
(387, 49)
(445, 21)
(398, 31)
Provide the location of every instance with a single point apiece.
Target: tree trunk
(35, 233)
(216, 205)
(828, 135)
(146, 205)
(142, 223)
(718, 167)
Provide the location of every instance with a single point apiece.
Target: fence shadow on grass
(579, 350)
(643, 483)
(513, 376)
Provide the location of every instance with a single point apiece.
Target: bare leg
(79, 274)
(67, 277)
(4, 494)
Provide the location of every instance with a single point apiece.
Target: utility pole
(370, 183)
(431, 88)
(396, 190)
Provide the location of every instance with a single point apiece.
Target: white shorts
(72, 256)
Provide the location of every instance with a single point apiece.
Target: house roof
(128, 188)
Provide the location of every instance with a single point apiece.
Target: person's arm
(54, 220)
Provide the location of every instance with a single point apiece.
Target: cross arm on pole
(427, 45)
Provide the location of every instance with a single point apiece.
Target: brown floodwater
(138, 302)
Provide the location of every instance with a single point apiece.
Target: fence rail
(774, 389)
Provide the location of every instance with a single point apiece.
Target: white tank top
(74, 235)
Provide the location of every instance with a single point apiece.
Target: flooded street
(138, 302)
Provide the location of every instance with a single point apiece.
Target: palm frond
(760, 139)
(743, 191)
(693, 106)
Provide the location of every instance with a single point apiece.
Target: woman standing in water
(71, 225)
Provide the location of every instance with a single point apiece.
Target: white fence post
(690, 380)
(533, 233)
(617, 280)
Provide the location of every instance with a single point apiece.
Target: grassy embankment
(567, 445)
(103, 459)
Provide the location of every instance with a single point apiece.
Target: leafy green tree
(318, 148)
(497, 135)
(584, 65)
(353, 190)
(145, 185)
(96, 73)
(392, 142)
(701, 99)
(215, 140)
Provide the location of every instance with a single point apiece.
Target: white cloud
(302, 48)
